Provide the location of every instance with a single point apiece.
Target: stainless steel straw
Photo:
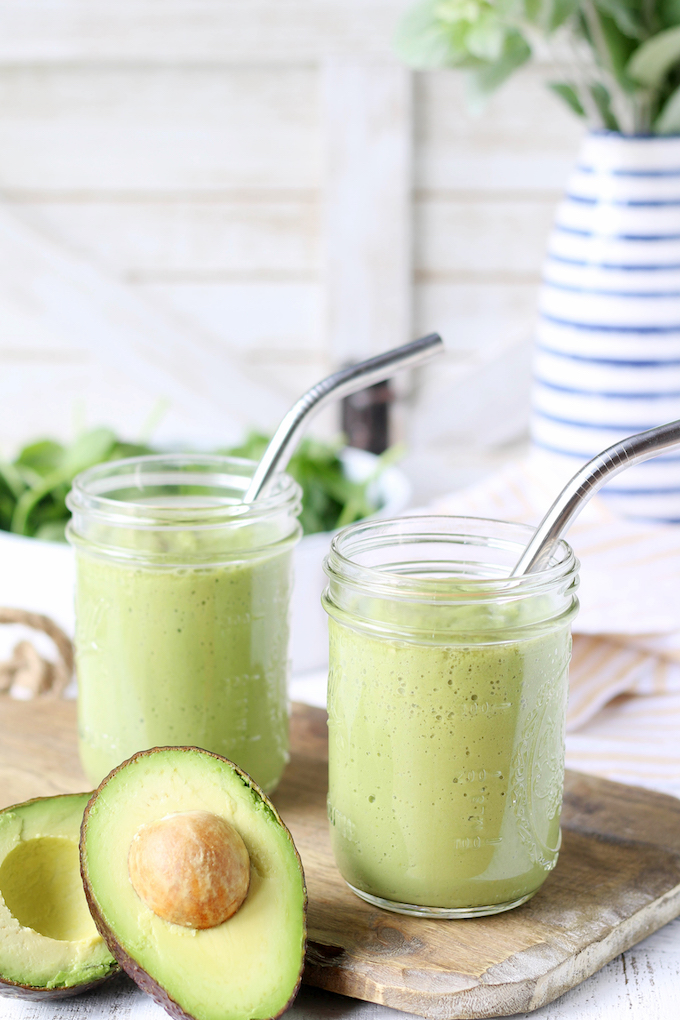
(334, 387)
(586, 482)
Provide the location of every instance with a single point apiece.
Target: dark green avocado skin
(37, 993)
(16, 990)
(140, 977)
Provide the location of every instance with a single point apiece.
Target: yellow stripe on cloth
(632, 740)
(601, 670)
(623, 718)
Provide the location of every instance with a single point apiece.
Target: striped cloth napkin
(623, 720)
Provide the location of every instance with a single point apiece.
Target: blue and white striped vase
(608, 347)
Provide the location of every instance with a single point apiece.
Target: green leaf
(329, 498)
(652, 61)
(549, 15)
(30, 499)
(43, 456)
(50, 508)
(603, 102)
(453, 33)
(533, 11)
(668, 121)
(560, 11)
(120, 450)
(423, 39)
(12, 479)
(29, 477)
(483, 81)
(569, 95)
(32, 503)
(669, 13)
(619, 48)
(392, 455)
(486, 39)
(7, 503)
(52, 531)
(6, 510)
(88, 449)
(353, 510)
(612, 48)
(627, 15)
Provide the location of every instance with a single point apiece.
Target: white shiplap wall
(217, 201)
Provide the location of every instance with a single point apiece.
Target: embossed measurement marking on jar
(342, 823)
(471, 709)
(471, 776)
(477, 798)
(475, 842)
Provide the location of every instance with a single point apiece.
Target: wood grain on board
(618, 880)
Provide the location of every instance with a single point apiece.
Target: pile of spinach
(330, 499)
(34, 486)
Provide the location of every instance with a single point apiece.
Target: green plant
(619, 60)
(329, 498)
(34, 486)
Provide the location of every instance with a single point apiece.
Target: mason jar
(182, 605)
(447, 695)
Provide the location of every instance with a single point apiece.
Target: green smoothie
(446, 762)
(185, 655)
(182, 606)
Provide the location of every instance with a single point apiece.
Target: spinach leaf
(33, 489)
(45, 500)
(330, 499)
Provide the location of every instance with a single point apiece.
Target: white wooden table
(642, 984)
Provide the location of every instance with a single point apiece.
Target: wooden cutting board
(618, 880)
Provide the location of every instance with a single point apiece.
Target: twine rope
(27, 674)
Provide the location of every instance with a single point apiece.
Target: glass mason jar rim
(341, 565)
(89, 490)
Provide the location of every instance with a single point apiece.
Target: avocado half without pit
(49, 946)
(196, 886)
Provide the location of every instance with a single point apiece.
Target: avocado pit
(191, 868)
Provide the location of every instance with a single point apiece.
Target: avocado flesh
(247, 968)
(48, 940)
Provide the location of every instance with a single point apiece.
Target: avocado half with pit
(49, 946)
(196, 886)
